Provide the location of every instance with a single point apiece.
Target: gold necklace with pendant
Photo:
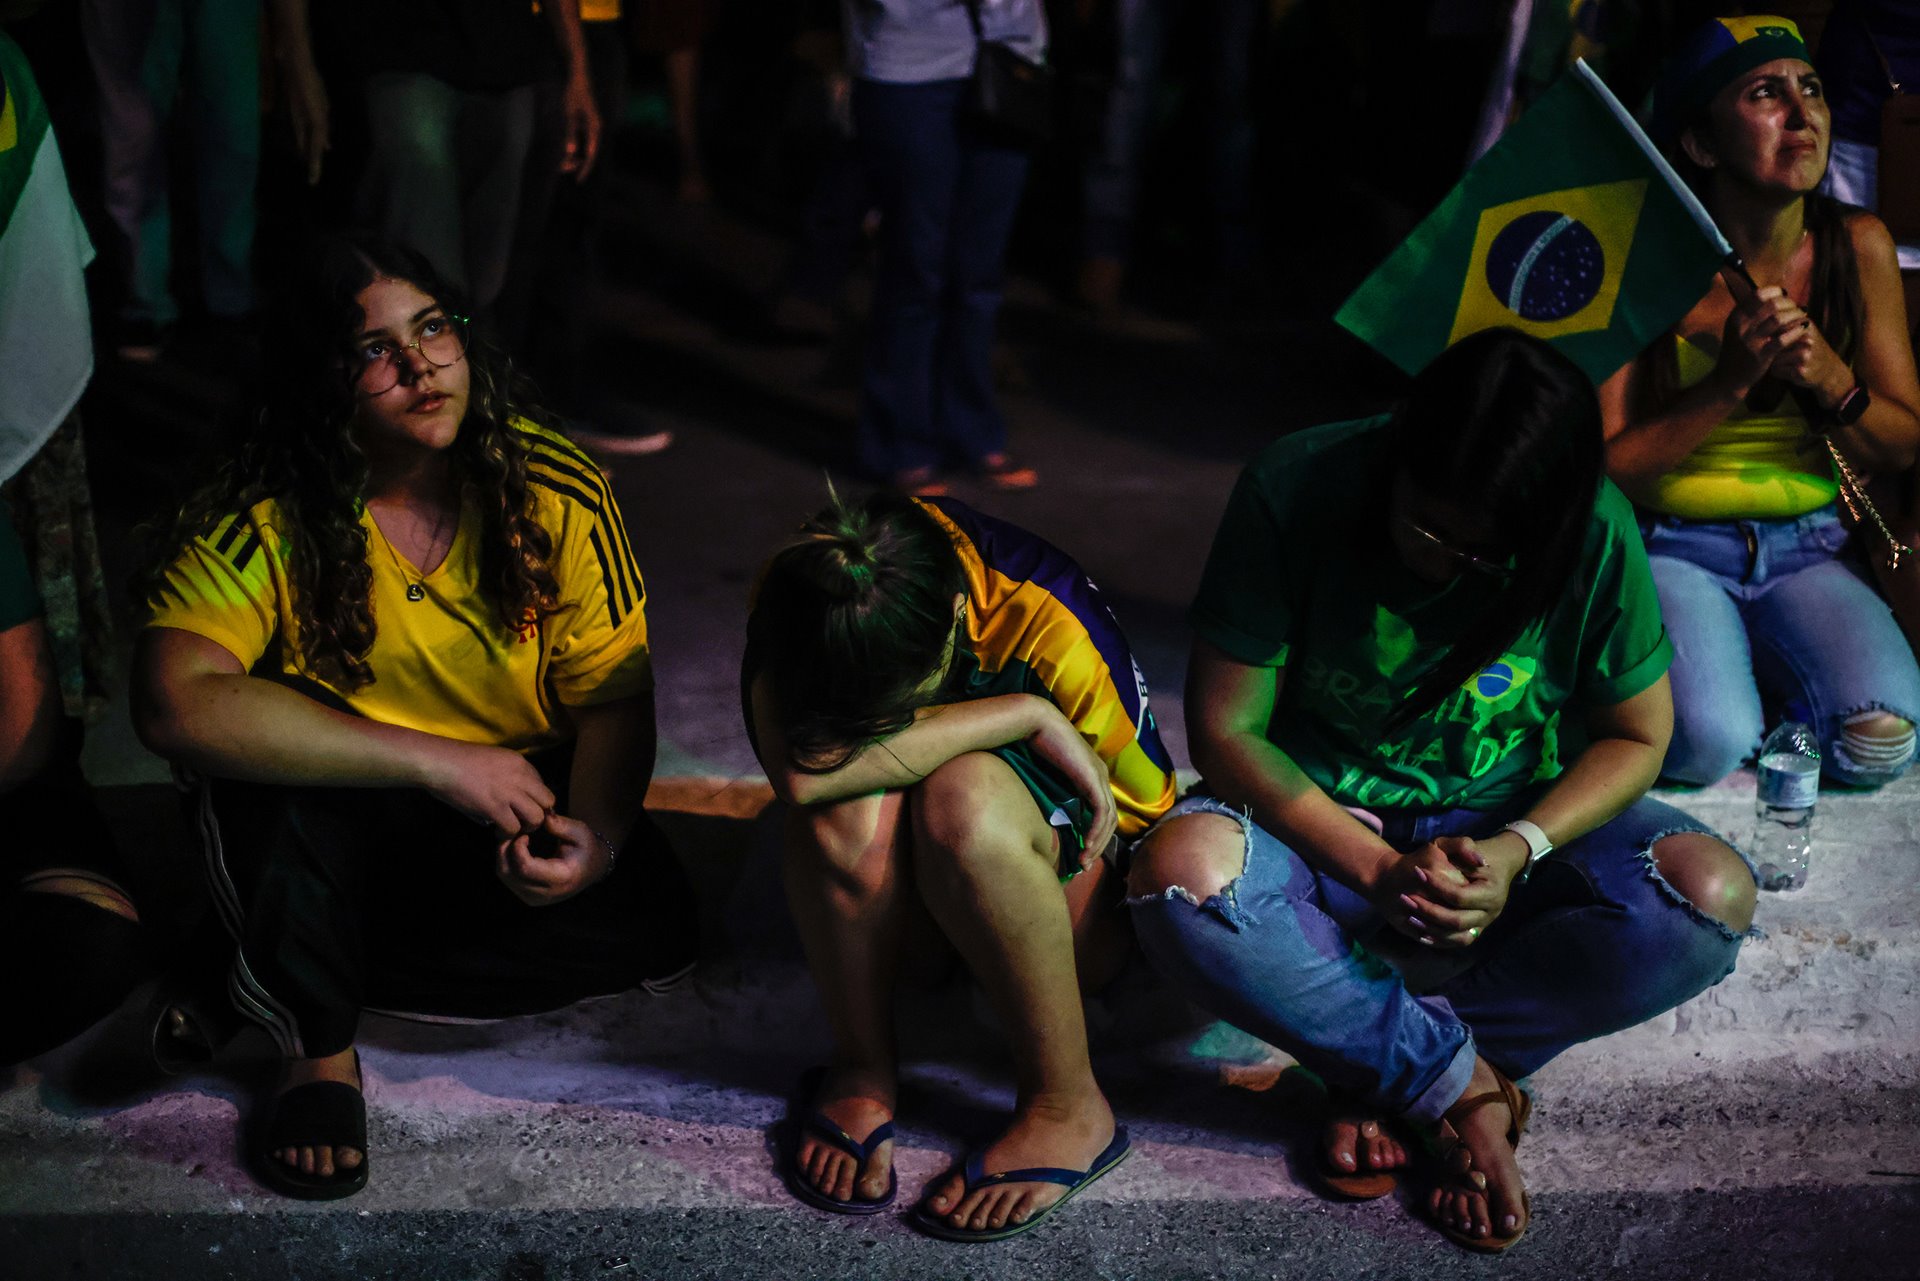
(416, 581)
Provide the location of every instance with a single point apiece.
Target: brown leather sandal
(1457, 1160)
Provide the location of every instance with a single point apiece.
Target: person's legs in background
(909, 137)
(128, 44)
(1110, 187)
(494, 134)
(223, 111)
(1235, 27)
(411, 189)
(986, 199)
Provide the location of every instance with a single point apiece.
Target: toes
(1372, 1149)
(873, 1184)
(348, 1158)
(306, 1160)
(1342, 1139)
(991, 1212)
(323, 1162)
(943, 1198)
(1507, 1210)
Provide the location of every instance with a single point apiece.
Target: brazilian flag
(1571, 229)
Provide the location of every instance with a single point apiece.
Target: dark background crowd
(1234, 165)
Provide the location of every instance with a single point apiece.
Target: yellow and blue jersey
(1037, 625)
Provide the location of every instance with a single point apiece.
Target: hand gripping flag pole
(1852, 491)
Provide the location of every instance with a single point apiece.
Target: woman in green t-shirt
(1379, 724)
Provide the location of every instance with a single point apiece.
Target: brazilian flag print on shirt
(1301, 578)
(1564, 230)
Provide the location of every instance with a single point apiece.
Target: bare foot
(323, 1160)
(1063, 1131)
(859, 1102)
(1482, 1194)
(1359, 1144)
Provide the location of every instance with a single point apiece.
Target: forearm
(1883, 440)
(288, 33)
(244, 727)
(937, 735)
(1650, 446)
(613, 759)
(563, 16)
(1246, 769)
(1601, 783)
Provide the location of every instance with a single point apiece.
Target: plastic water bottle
(1783, 806)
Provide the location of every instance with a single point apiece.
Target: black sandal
(318, 1114)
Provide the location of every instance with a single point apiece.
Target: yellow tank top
(1754, 466)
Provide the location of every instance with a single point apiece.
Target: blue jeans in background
(947, 198)
(197, 62)
(1768, 619)
(1594, 941)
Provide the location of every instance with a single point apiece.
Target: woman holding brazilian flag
(1735, 433)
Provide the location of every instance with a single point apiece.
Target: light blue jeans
(1768, 619)
(1594, 941)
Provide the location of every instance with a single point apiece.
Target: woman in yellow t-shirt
(1719, 433)
(401, 644)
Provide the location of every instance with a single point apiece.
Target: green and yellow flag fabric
(46, 343)
(23, 123)
(1570, 228)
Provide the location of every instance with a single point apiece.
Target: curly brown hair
(302, 454)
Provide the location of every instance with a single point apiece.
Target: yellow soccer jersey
(443, 663)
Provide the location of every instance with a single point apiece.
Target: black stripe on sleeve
(565, 458)
(619, 594)
(223, 542)
(613, 606)
(248, 550)
(607, 513)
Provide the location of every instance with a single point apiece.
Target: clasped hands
(1447, 892)
(540, 854)
(1771, 335)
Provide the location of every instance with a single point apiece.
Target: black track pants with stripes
(344, 899)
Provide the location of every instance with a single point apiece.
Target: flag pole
(1851, 489)
(1681, 191)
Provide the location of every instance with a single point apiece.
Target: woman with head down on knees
(1724, 433)
(1427, 696)
(959, 729)
(400, 645)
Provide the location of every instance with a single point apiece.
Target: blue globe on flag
(1494, 680)
(1545, 265)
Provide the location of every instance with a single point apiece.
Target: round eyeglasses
(441, 340)
(1464, 559)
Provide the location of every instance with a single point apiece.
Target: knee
(1195, 856)
(1705, 750)
(1708, 874)
(964, 818)
(1873, 748)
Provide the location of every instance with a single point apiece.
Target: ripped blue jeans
(1771, 618)
(1594, 941)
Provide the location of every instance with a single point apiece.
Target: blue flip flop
(1075, 1181)
(802, 1118)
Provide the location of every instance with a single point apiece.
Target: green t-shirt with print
(1302, 577)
